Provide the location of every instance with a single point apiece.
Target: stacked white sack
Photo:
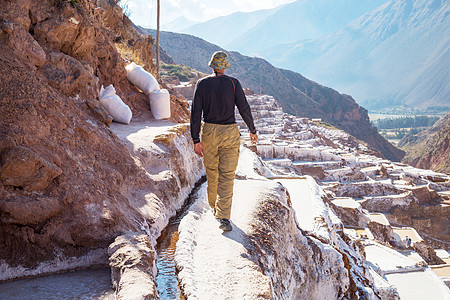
(160, 104)
(114, 105)
(141, 78)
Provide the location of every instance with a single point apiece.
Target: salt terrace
(371, 195)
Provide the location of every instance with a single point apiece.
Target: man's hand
(253, 138)
(198, 149)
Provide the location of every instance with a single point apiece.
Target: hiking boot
(225, 225)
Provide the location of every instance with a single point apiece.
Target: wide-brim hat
(219, 61)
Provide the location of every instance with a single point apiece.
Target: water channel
(167, 280)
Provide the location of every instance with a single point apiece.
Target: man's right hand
(253, 138)
(198, 149)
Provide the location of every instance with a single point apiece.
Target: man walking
(216, 97)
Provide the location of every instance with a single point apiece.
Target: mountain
(297, 94)
(429, 149)
(179, 24)
(251, 32)
(223, 30)
(395, 55)
(303, 19)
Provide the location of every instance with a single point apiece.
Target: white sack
(160, 104)
(114, 105)
(141, 78)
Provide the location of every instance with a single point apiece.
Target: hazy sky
(143, 12)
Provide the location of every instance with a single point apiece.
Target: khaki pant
(220, 157)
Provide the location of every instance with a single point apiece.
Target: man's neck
(219, 72)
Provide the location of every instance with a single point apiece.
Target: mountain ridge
(221, 30)
(300, 20)
(178, 24)
(305, 19)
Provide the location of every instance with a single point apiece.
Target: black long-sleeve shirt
(216, 97)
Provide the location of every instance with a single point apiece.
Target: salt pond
(83, 284)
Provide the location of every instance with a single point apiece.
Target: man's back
(217, 96)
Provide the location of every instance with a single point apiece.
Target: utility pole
(157, 39)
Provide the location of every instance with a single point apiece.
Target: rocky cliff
(66, 180)
(429, 149)
(297, 94)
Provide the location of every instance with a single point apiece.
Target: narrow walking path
(217, 264)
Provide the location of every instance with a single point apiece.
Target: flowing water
(80, 285)
(167, 280)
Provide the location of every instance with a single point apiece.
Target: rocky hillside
(429, 149)
(64, 176)
(297, 94)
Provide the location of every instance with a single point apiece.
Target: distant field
(374, 117)
(394, 127)
(395, 135)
